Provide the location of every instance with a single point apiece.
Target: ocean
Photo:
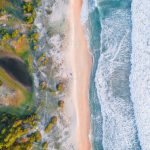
(139, 77)
(114, 116)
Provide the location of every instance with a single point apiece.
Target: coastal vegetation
(51, 124)
(61, 104)
(23, 94)
(19, 118)
(19, 127)
(18, 132)
(45, 145)
(60, 87)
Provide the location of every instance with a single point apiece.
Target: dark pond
(17, 69)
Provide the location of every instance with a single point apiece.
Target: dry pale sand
(80, 63)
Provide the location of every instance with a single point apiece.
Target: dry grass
(4, 3)
(21, 45)
(12, 100)
(20, 91)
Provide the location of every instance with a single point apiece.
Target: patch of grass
(21, 45)
(5, 3)
(24, 100)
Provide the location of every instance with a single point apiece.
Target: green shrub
(38, 136)
(28, 7)
(15, 33)
(6, 37)
(3, 12)
(17, 123)
(3, 131)
(54, 120)
(3, 31)
(61, 104)
(51, 124)
(60, 87)
(16, 129)
(43, 85)
(48, 127)
(34, 37)
(35, 47)
(44, 145)
(1, 82)
(29, 19)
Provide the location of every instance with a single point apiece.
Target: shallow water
(96, 117)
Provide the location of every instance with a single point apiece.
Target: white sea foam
(112, 81)
(87, 7)
(140, 72)
(84, 12)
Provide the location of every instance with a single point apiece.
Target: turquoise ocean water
(95, 28)
(112, 111)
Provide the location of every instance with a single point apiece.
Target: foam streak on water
(112, 111)
(140, 72)
(112, 80)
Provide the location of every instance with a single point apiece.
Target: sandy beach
(80, 62)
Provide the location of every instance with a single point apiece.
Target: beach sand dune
(80, 63)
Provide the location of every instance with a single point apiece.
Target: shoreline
(79, 60)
